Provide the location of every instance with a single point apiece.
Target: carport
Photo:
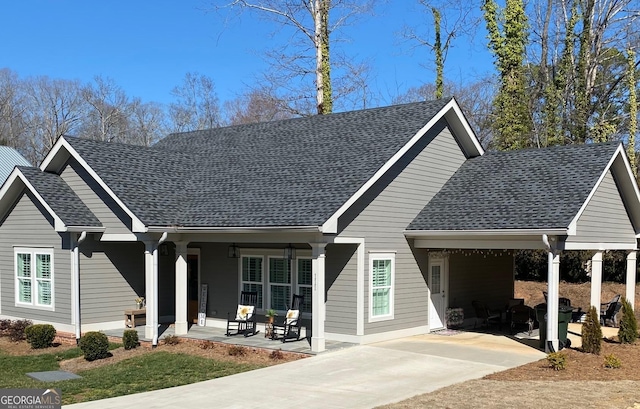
(577, 197)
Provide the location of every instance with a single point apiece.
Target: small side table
(130, 317)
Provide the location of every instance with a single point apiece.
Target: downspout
(154, 342)
(76, 283)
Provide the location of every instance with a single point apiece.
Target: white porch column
(76, 318)
(631, 278)
(181, 326)
(318, 297)
(552, 300)
(151, 292)
(596, 280)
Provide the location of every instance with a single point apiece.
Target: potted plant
(139, 302)
(271, 315)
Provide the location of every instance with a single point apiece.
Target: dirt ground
(585, 383)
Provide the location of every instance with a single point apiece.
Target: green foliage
(557, 361)
(633, 109)
(612, 361)
(130, 339)
(592, 333)
(437, 45)
(94, 345)
(237, 350)
(513, 124)
(40, 335)
(628, 330)
(171, 340)
(16, 330)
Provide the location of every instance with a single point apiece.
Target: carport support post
(181, 326)
(151, 290)
(631, 278)
(317, 297)
(552, 301)
(596, 280)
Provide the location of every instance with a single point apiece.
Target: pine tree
(628, 331)
(592, 333)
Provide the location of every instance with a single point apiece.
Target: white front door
(438, 301)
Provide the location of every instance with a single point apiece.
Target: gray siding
(221, 274)
(113, 218)
(476, 277)
(388, 207)
(341, 280)
(605, 218)
(111, 277)
(28, 225)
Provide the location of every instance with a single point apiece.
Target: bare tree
(449, 19)
(54, 108)
(475, 98)
(12, 107)
(258, 105)
(310, 25)
(107, 111)
(147, 123)
(196, 105)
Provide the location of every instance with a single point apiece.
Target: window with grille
(382, 275)
(252, 276)
(279, 283)
(34, 277)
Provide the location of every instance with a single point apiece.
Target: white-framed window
(276, 278)
(251, 276)
(279, 283)
(34, 277)
(381, 284)
(304, 274)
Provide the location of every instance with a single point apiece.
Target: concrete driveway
(357, 377)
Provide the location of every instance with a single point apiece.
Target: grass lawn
(146, 372)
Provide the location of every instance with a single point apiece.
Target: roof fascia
(462, 132)
(137, 226)
(631, 196)
(477, 233)
(16, 175)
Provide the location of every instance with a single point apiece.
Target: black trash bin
(564, 318)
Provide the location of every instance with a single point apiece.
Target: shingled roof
(295, 172)
(60, 198)
(526, 189)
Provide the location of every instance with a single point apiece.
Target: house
(9, 158)
(381, 218)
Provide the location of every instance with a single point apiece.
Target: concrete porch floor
(218, 335)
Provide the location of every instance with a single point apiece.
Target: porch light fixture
(289, 252)
(234, 251)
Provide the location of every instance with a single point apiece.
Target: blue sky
(148, 46)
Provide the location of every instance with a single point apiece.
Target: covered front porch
(214, 334)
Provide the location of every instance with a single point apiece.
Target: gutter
(497, 232)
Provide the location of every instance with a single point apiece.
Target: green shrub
(592, 333)
(40, 335)
(612, 361)
(16, 329)
(557, 360)
(237, 350)
(130, 339)
(628, 331)
(94, 345)
(171, 340)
